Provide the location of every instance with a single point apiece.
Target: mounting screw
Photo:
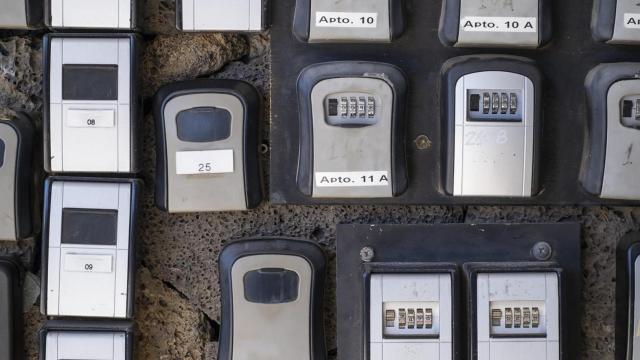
(542, 251)
(423, 142)
(367, 254)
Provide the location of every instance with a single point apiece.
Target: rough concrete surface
(178, 305)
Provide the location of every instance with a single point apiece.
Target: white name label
(632, 21)
(91, 118)
(204, 162)
(352, 179)
(88, 263)
(347, 19)
(499, 24)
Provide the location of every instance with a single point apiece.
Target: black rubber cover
(471, 271)
(626, 255)
(443, 248)
(449, 28)
(135, 103)
(308, 250)
(253, 115)
(23, 182)
(312, 75)
(603, 19)
(109, 326)
(597, 84)
(455, 69)
(11, 279)
(136, 195)
(135, 10)
(33, 9)
(302, 19)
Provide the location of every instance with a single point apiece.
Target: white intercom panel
(518, 315)
(91, 106)
(102, 14)
(89, 248)
(411, 317)
(221, 15)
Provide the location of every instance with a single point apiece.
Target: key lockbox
(628, 298)
(91, 103)
(351, 130)
(88, 241)
(208, 146)
(272, 294)
(491, 23)
(616, 21)
(16, 176)
(348, 21)
(222, 15)
(82, 14)
(20, 14)
(86, 340)
(492, 114)
(11, 281)
(611, 162)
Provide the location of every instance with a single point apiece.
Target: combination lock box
(318, 21)
(86, 340)
(10, 310)
(458, 291)
(491, 23)
(82, 14)
(272, 293)
(88, 260)
(611, 160)
(222, 15)
(352, 141)
(16, 176)
(208, 138)
(628, 298)
(20, 14)
(616, 21)
(515, 312)
(91, 106)
(492, 114)
(411, 312)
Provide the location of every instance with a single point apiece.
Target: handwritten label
(352, 179)
(204, 162)
(347, 19)
(499, 24)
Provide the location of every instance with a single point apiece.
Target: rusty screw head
(423, 142)
(367, 254)
(542, 251)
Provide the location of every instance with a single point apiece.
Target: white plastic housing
(64, 345)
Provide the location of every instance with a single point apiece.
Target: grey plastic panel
(349, 21)
(622, 162)
(365, 150)
(482, 13)
(89, 227)
(271, 331)
(8, 206)
(626, 28)
(13, 14)
(89, 82)
(205, 191)
(203, 124)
